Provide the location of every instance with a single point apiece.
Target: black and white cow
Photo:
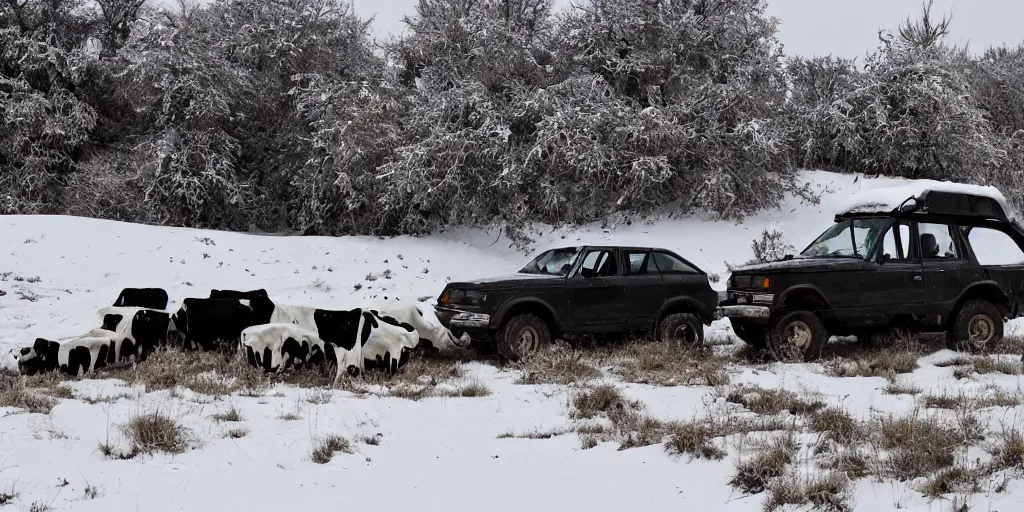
(151, 298)
(387, 343)
(217, 324)
(78, 356)
(276, 347)
(433, 334)
(140, 330)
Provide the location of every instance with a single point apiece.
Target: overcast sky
(846, 28)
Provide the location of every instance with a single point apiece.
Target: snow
(436, 453)
(886, 194)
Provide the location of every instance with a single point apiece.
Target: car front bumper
(745, 312)
(462, 320)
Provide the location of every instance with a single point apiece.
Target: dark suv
(582, 290)
(943, 261)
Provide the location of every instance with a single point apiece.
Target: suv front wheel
(522, 336)
(797, 336)
(977, 327)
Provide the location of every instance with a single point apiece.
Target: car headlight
(468, 297)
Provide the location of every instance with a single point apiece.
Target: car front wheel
(522, 336)
(977, 327)
(797, 336)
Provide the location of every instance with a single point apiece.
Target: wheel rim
(980, 330)
(527, 341)
(798, 335)
(684, 334)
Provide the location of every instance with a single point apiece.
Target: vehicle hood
(509, 280)
(801, 265)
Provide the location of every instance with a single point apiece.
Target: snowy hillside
(456, 435)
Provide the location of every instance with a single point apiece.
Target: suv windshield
(854, 238)
(556, 262)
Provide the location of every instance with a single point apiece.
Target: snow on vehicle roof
(886, 194)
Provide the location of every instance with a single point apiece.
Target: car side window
(669, 264)
(599, 263)
(640, 264)
(937, 243)
(896, 244)
(993, 247)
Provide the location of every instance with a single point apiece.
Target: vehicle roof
(958, 205)
(620, 247)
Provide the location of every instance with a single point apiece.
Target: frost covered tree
(911, 112)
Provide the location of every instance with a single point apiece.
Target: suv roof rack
(940, 202)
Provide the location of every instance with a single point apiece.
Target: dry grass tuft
(289, 416)
(557, 366)
(902, 388)
(916, 446)
(960, 360)
(6, 498)
(237, 433)
(537, 434)
(371, 440)
(325, 448)
(155, 432)
(852, 463)
(664, 364)
(839, 425)
(754, 475)
(603, 399)
(881, 363)
(984, 365)
(232, 414)
(954, 479)
(14, 393)
(772, 401)
(1007, 450)
(828, 493)
(62, 391)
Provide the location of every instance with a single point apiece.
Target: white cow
(281, 346)
(422, 318)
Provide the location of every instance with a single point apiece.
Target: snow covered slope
(434, 454)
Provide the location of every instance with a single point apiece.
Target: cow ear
(371, 321)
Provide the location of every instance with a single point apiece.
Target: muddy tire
(522, 336)
(681, 329)
(797, 336)
(752, 334)
(976, 328)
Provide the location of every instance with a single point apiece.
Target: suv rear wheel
(522, 336)
(681, 328)
(797, 336)
(977, 327)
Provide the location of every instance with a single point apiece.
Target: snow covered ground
(435, 453)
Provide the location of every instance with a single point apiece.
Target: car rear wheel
(681, 328)
(797, 336)
(977, 327)
(522, 336)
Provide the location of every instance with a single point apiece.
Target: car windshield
(556, 262)
(854, 238)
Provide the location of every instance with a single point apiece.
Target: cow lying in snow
(381, 341)
(433, 335)
(149, 298)
(77, 356)
(141, 329)
(281, 346)
(217, 324)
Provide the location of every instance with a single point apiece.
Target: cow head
(431, 329)
(41, 356)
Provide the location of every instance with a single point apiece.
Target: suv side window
(599, 263)
(993, 247)
(669, 264)
(937, 243)
(640, 264)
(896, 244)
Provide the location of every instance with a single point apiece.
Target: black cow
(232, 294)
(217, 324)
(152, 298)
